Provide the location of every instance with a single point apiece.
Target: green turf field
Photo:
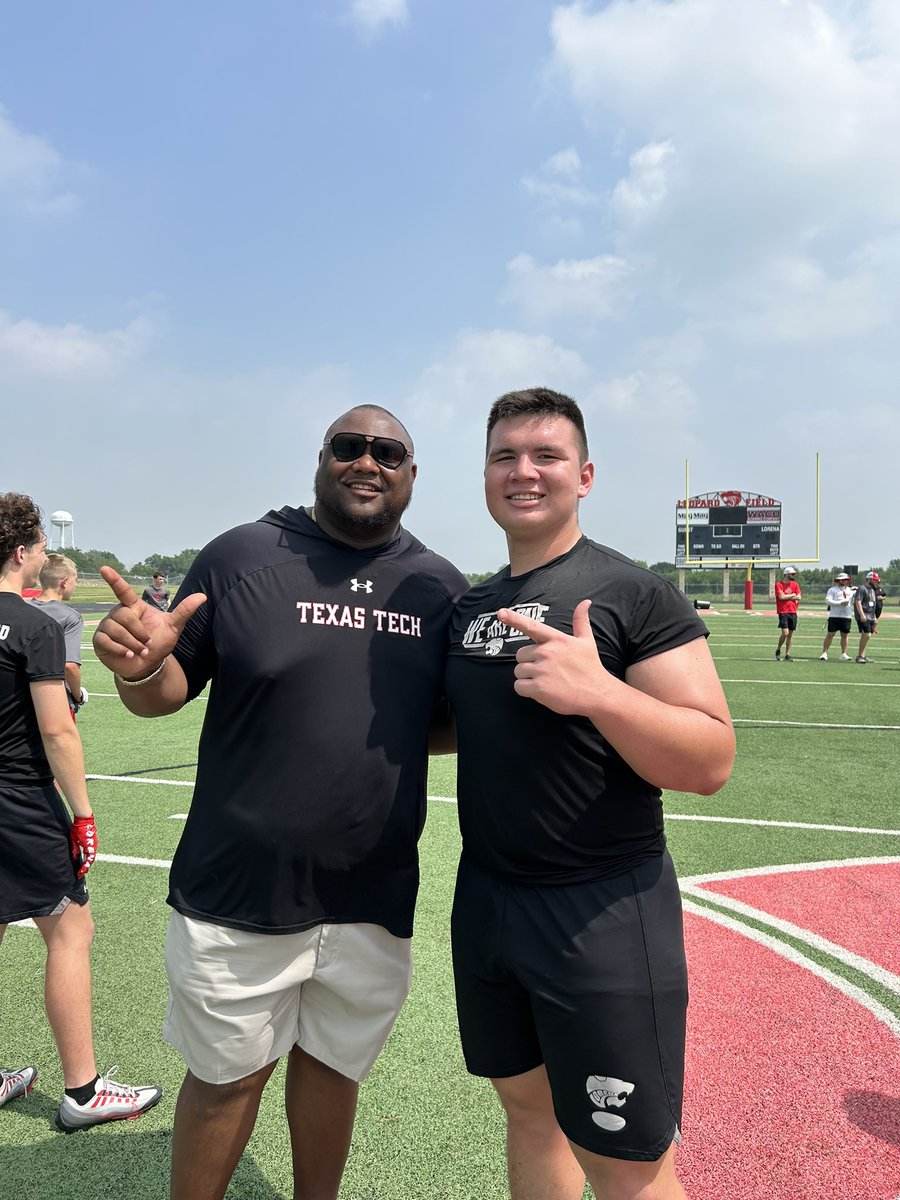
(817, 746)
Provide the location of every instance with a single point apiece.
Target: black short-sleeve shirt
(326, 664)
(544, 797)
(32, 649)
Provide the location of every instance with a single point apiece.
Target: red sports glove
(83, 840)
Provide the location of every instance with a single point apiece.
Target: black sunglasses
(387, 452)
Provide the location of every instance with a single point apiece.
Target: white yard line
(887, 979)
(808, 724)
(793, 955)
(670, 816)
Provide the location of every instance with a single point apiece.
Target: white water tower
(62, 530)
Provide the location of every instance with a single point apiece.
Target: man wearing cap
(839, 599)
(866, 606)
(787, 594)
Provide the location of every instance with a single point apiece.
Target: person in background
(59, 577)
(839, 599)
(880, 597)
(865, 606)
(156, 592)
(787, 595)
(45, 854)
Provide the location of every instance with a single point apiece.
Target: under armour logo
(365, 586)
(607, 1092)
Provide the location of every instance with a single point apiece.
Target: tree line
(810, 577)
(173, 566)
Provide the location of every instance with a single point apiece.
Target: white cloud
(796, 301)
(449, 405)
(592, 289)
(68, 351)
(656, 399)
(30, 173)
(646, 186)
(479, 366)
(370, 15)
(565, 162)
(557, 183)
(762, 154)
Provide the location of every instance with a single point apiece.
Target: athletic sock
(81, 1095)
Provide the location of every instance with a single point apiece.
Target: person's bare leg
(620, 1179)
(829, 638)
(67, 990)
(539, 1159)
(321, 1108)
(213, 1123)
(844, 641)
(863, 642)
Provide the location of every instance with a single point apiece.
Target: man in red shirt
(787, 594)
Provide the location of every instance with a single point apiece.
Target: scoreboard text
(727, 525)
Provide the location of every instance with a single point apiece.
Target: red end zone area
(792, 1084)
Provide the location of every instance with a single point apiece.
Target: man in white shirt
(839, 599)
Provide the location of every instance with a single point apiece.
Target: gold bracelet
(137, 682)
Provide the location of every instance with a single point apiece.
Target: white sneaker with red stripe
(16, 1083)
(110, 1102)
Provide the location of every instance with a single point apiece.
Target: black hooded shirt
(325, 665)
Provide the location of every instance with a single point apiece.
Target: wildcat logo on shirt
(487, 633)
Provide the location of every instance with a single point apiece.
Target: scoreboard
(731, 525)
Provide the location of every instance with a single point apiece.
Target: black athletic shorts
(867, 625)
(36, 868)
(589, 979)
(787, 620)
(838, 624)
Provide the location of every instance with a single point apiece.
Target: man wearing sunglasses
(322, 632)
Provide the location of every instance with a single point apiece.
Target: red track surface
(858, 907)
(792, 1088)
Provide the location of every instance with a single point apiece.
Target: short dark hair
(538, 402)
(20, 524)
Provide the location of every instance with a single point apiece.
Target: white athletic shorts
(239, 1000)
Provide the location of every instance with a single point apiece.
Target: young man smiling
(582, 685)
(322, 632)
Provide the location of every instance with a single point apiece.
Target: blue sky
(221, 226)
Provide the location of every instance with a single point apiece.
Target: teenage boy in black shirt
(323, 633)
(45, 854)
(582, 685)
